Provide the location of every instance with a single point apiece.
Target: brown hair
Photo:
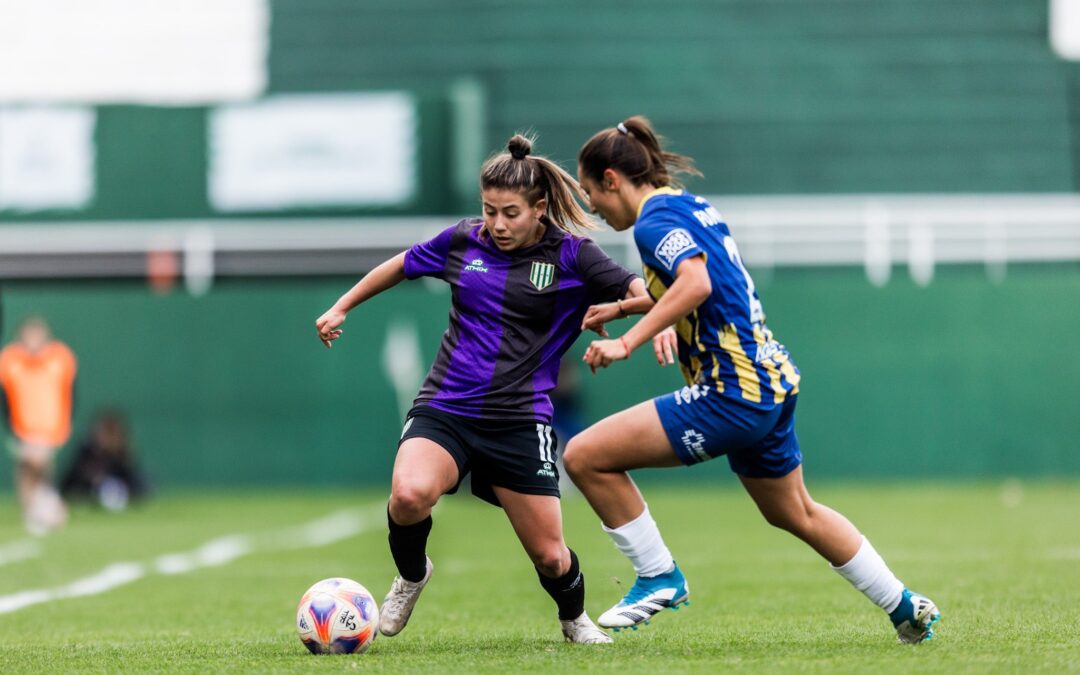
(537, 178)
(633, 149)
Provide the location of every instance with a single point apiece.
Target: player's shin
(568, 590)
(408, 545)
(912, 615)
(869, 574)
(640, 541)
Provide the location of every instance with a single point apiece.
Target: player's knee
(793, 520)
(778, 519)
(552, 561)
(575, 459)
(32, 468)
(412, 500)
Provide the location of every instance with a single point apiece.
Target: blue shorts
(702, 424)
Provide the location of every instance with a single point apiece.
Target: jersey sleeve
(605, 279)
(664, 243)
(428, 258)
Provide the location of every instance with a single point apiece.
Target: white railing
(876, 232)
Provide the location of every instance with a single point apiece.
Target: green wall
(770, 96)
(964, 378)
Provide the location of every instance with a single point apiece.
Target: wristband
(618, 303)
(625, 346)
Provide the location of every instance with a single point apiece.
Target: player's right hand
(666, 346)
(327, 326)
(597, 315)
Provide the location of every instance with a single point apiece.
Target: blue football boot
(914, 618)
(648, 597)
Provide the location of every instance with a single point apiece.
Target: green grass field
(1001, 561)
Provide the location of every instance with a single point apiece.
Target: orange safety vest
(39, 390)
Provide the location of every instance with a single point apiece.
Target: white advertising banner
(302, 151)
(173, 52)
(1065, 28)
(46, 158)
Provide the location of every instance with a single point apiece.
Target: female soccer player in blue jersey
(521, 286)
(741, 388)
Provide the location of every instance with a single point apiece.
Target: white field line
(221, 551)
(1064, 554)
(14, 551)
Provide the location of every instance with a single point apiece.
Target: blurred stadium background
(185, 187)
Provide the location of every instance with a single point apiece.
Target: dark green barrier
(963, 378)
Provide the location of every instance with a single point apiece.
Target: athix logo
(476, 265)
(546, 471)
(541, 274)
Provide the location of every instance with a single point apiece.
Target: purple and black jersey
(514, 314)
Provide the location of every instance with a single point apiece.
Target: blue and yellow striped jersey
(724, 343)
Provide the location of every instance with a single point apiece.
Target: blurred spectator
(103, 469)
(37, 383)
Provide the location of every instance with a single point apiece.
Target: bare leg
(42, 507)
(28, 476)
(786, 504)
(537, 521)
(423, 472)
(598, 458)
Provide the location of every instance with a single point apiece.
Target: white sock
(640, 541)
(869, 574)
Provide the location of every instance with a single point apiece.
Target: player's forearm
(637, 299)
(387, 275)
(685, 295)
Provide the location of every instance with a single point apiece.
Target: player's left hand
(666, 346)
(597, 315)
(327, 326)
(602, 353)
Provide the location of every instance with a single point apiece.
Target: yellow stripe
(744, 367)
(654, 284)
(657, 191)
(792, 376)
(762, 338)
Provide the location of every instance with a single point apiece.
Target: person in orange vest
(37, 382)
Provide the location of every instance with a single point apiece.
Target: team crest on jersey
(542, 274)
(673, 245)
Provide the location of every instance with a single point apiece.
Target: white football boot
(583, 631)
(398, 604)
(648, 597)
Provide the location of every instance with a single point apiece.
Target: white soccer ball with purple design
(337, 616)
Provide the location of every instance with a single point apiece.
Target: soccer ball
(337, 616)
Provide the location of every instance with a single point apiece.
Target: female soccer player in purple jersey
(740, 395)
(521, 286)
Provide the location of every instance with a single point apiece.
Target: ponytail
(635, 150)
(537, 178)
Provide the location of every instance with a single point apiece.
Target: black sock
(408, 545)
(568, 591)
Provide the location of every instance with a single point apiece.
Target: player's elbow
(699, 288)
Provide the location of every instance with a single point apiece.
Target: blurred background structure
(184, 188)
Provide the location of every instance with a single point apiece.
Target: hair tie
(519, 153)
(622, 129)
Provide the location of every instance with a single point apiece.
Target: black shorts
(512, 454)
